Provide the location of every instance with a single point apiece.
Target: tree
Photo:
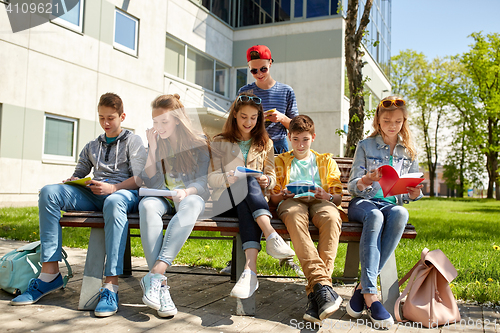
(465, 163)
(421, 83)
(354, 65)
(482, 64)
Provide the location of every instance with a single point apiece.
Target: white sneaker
(277, 248)
(167, 308)
(245, 287)
(150, 285)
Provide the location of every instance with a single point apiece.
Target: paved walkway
(204, 306)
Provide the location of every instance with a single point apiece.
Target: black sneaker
(327, 299)
(311, 309)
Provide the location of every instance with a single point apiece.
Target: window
(318, 8)
(223, 9)
(72, 17)
(126, 32)
(185, 62)
(200, 69)
(241, 78)
(59, 138)
(221, 82)
(282, 11)
(174, 58)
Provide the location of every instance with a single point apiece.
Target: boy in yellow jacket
(316, 197)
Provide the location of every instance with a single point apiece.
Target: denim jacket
(197, 178)
(372, 153)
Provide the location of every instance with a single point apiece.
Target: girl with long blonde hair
(178, 159)
(384, 218)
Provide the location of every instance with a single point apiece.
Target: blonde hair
(187, 136)
(405, 128)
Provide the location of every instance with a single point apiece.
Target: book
(300, 186)
(152, 192)
(393, 184)
(242, 172)
(80, 182)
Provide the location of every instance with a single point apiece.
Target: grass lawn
(466, 230)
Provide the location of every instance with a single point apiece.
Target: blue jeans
(166, 248)
(247, 211)
(54, 198)
(383, 226)
(280, 146)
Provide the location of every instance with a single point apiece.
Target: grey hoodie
(114, 162)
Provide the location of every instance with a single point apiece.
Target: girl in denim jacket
(178, 159)
(384, 219)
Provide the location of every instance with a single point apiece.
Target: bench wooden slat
(350, 229)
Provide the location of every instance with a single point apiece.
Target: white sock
(272, 235)
(46, 277)
(249, 271)
(110, 286)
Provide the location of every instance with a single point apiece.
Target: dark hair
(182, 158)
(254, 55)
(230, 130)
(301, 123)
(113, 101)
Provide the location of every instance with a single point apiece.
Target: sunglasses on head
(245, 98)
(262, 70)
(396, 102)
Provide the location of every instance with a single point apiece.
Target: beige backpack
(429, 299)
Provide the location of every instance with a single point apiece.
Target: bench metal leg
(127, 258)
(93, 272)
(389, 284)
(244, 307)
(351, 267)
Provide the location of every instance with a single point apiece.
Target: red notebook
(393, 184)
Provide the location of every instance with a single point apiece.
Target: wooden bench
(351, 233)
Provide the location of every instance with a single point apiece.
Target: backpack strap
(70, 271)
(411, 274)
(423, 254)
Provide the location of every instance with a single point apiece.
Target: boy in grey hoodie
(116, 157)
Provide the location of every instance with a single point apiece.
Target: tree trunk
(354, 65)
(432, 178)
(492, 160)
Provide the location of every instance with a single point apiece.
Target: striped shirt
(280, 97)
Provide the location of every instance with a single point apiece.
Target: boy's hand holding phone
(273, 116)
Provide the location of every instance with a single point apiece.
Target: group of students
(183, 159)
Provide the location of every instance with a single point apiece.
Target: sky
(439, 28)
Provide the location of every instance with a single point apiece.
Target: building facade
(52, 75)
